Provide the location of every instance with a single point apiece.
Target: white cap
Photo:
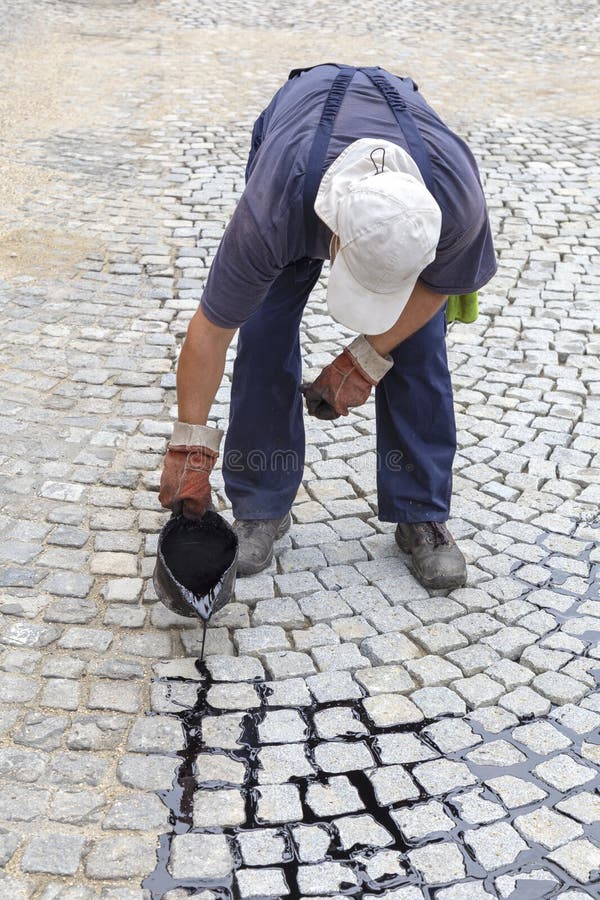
(374, 199)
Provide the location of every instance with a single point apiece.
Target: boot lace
(436, 534)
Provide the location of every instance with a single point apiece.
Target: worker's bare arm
(200, 369)
(421, 307)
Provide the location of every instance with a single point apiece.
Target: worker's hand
(347, 381)
(191, 455)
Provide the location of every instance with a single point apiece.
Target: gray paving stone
(346, 657)
(158, 734)
(292, 691)
(338, 756)
(548, 828)
(221, 696)
(524, 701)
(9, 841)
(324, 876)
(312, 842)
(515, 791)
(54, 854)
(475, 809)
(222, 731)
(541, 737)
(438, 863)
(384, 680)
(359, 830)
(430, 671)
(288, 664)
(118, 669)
(402, 747)
(382, 865)
(68, 584)
(559, 688)
(496, 753)
(580, 720)
(277, 803)
(479, 690)
(451, 735)
(563, 772)
(262, 847)
(113, 696)
(389, 648)
(509, 673)
(386, 710)
(121, 857)
(16, 888)
(17, 688)
(335, 797)
(43, 731)
(439, 638)
(354, 628)
(234, 668)
(216, 767)
(22, 765)
(28, 634)
(261, 639)
(96, 732)
(333, 686)
(584, 806)
(76, 807)
(77, 768)
(442, 775)
(282, 726)
(495, 845)
(324, 606)
(438, 701)
(392, 784)
(200, 856)
(338, 721)
(580, 858)
(261, 883)
(493, 718)
(85, 639)
(136, 811)
(221, 808)
(279, 611)
(510, 642)
(425, 818)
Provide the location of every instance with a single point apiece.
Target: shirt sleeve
(245, 266)
(465, 259)
(264, 236)
(465, 265)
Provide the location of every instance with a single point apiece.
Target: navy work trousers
(264, 449)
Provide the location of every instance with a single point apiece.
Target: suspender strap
(318, 151)
(412, 135)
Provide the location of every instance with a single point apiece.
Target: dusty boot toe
(436, 561)
(256, 538)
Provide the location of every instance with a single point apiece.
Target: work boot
(436, 561)
(256, 538)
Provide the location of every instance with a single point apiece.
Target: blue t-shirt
(267, 232)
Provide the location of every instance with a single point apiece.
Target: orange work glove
(191, 455)
(347, 381)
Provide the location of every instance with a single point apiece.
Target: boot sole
(439, 584)
(246, 570)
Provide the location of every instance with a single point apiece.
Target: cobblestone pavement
(349, 735)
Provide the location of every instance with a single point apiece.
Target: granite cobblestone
(479, 708)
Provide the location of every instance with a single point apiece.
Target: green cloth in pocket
(462, 307)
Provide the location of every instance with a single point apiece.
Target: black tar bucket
(196, 562)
